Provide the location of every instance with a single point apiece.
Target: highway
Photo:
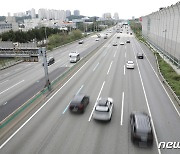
(21, 82)
(53, 129)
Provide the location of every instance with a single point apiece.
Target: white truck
(74, 57)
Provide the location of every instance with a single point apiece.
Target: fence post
(178, 58)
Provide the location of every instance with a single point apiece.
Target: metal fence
(162, 30)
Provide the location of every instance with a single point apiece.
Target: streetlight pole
(48, 83)
(164, 43)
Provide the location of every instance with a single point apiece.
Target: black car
(128, 41)
(140, 55)
(141, 129)
(81, 42)
(79, 103)
(50, 61)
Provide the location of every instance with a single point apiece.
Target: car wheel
(110, 118)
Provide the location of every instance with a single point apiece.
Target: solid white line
(80, 89)
(109, 68)
(95, 67)
(124, 70)
(147, 103)
(160, 81)
(66, 108)
(11, 87)
(122, 108)
(1, 146)
(96, 101)
(4, 82)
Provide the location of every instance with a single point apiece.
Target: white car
(115, 44)
(122, 43)
(72, 53)
(103, 109)
(130, 64)
(97, 39)
(81, 42)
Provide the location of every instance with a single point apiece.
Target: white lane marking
(2, 145)
(95, 67)
(160, 81)
(11, 87)
(96, 101)
(115, 53)
(147, 102)
(109, 68)
(28, 65)
(5, 103)
(122, 108)
(4, 81)
(105, 54)
(66, 108)
(79, 89)
(18, 69)
(124, 70)
(6, 74)
(58, 61)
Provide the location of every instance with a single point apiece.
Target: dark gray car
(141, 129)
(79, 103)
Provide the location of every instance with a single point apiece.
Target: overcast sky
(125, 8)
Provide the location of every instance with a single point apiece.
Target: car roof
(130, 61)
(142, 121)
(77, 98)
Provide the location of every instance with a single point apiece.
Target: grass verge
(170, 75)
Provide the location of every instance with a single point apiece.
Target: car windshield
(130, 62)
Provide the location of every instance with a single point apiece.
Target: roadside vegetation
(167, 71)
(170, 75)
(56, 40)
(37, 34)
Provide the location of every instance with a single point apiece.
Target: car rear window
(102, 108)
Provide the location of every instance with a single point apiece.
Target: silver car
(103, 109)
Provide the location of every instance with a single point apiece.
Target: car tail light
(71, 107)
(81, 106)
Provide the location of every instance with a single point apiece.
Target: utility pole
(48, 83)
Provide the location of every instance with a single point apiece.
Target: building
(68, 13)
(52, 14)
(76, 12)
(107, 16)
(42, 14)
(31, 24)
(116, 16)
(9, 24)
(19, 14)
(33, 13)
